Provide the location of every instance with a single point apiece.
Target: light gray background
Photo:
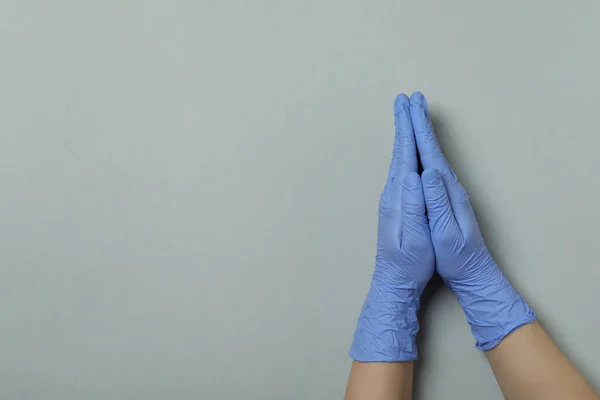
(189, 188)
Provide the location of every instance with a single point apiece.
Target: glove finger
(404, 156)
(432, 157)
(415, 228)
(429, 148)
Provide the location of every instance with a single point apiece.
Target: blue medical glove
(388, 323)
(492, 307)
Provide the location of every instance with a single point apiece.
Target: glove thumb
(442, 222)
(414, 220)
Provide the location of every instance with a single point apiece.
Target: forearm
(380, 381)
(492, 306)
(528, 365)
(388, 325)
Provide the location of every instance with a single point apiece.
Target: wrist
(492, 307)
(388, 325)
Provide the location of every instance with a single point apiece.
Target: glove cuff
(493, 310)
(387, 326)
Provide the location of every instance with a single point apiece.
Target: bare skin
(528, 365)
(380, 381)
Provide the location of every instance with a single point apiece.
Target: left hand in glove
(405, 260)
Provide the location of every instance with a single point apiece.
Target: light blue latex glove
(492, 307)
(388, 324)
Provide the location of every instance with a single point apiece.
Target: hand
(492, 307)
(388, 323)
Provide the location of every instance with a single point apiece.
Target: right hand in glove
(492, 307)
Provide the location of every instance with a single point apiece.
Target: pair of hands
(426, 223)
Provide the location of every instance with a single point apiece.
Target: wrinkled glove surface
(492, 307)
(388, 325)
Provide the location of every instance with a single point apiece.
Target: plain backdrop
(189, 189)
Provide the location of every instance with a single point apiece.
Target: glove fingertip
(418, 99)
(402, 102)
